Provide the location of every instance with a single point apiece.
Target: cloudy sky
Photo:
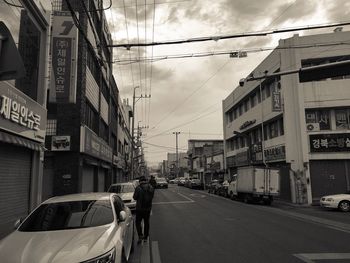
(187, 93)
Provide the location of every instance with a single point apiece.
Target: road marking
(145, 253)
(309, 258)
(311, 219)
(155, 252)
(176, 202)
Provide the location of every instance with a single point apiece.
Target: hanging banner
(64, 58)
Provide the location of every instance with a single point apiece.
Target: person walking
(143, 195)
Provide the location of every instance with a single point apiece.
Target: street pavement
(189, 226)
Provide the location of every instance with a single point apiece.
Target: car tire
(344, 206)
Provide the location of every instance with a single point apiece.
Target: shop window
(342, 117)
(322, 117)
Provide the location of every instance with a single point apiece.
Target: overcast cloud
(187, 93)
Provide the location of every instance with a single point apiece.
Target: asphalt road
(189, 226)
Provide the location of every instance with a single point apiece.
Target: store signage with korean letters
(60, 143)
(275, 153)
(64, 58)
(94, 145)
(336, 142)
(20, 114)
(276, 101)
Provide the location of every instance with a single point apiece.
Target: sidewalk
(279, 202)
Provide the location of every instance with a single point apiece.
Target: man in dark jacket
(143, 195)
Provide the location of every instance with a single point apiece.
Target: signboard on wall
(95, 146)
(275, 153)
(20, 114)
(276, 101)
(60, 143)
(64, 58)
(335, 142)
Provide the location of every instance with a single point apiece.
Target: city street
(194, 226)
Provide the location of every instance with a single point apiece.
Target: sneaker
(145, 239)
(140, 240)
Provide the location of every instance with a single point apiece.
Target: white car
(85, 228)
(126, 193)
(340, 201)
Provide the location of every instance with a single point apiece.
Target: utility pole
(177, 154)
(133, 127)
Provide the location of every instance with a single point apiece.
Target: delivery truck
(255, 184)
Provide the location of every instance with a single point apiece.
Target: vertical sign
(276, 101)
(64, 58)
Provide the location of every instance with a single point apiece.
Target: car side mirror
(17, 223)
(122, 216)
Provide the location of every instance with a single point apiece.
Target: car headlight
(330, 199)
(108, 257)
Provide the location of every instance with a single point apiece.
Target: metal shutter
(15, 169)
(87, 179)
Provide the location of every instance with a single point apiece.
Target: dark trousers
(142, 215)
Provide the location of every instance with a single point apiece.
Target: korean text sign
(336, 142)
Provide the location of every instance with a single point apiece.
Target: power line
(162, 146)
(228, 52)
(239, 35)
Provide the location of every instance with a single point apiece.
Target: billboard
(64, 58)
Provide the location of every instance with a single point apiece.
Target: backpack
(146, 196)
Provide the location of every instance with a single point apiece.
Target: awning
(20, 141)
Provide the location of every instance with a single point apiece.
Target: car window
(69, 215)
(121, 188)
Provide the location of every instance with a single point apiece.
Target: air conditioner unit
(313, 126)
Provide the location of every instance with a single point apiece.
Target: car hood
(338, 196)
(74, 245)
(126, 196)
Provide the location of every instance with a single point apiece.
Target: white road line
(309, 258)
(173, 202)
(184, 196)
(155, 252)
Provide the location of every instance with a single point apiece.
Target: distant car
(126, 192)
(181, 181)
(196, 183)
(88, 227)
(339, 201)
(172, 181)
(161, 182)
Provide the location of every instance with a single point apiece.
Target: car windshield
(121, 188)
(161, 180)
(69, 215)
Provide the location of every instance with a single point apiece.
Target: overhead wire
(237, 35)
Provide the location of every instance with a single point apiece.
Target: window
(104, 131)
(258, 96)
(91, 117)
(235, 113)
(268, 90)
(51, 127)
(240, 110)
(273, 129)
(281, 128)
(253, 100)
(69, 215)
(246, 105)
(322, 117)
(342, 119)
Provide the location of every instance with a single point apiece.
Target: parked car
(126, 192)
(196, 183)
(339, 201)
(161, 182)
(182, 181)
(88, 227)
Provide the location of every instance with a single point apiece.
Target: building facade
(301, 128)
(23, 55)
(202, 160)
(87, 131)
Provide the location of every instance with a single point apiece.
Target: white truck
(255, 184)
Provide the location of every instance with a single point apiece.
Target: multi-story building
(87, 132)
(24, 30)
(177, 167)
(200, 156)
(302, 128)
